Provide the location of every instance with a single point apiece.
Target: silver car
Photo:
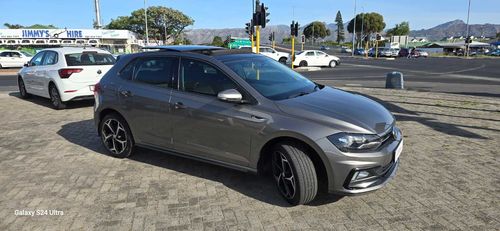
(247, 112)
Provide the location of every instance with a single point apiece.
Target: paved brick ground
(448, 178)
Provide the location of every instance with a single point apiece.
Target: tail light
(97, 89)
(67, 72)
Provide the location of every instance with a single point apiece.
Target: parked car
(246, 112)
(13, 58)
(64, 74)
(382, 52)
(494, 52)
(422, 53)
(359, 51)
(270, 52)
(404, 52)
(345, 50)
(315, 58)
(324, 48)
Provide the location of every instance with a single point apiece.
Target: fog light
(360, 175)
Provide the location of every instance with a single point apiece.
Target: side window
(50, 58)
(203, 78)
(4, 54)
(319, 53)
(158, 71)
(15, 54)
(37, 60)
(128, 71)
(310, 53)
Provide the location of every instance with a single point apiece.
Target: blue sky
(234, 13)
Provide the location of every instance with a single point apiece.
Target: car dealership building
(117, 41)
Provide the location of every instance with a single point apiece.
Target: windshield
(27, 54)
(272, 79)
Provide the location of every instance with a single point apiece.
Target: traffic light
(294, 29)
(263, 15)
(468, 40)
(379, 37)
(271, 37)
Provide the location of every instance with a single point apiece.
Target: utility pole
(354, 29)
(97, 24)
(146, 22)
(467, 45)
(362, 24)
(165, 28)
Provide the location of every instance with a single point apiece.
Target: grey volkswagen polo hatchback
(247, 112)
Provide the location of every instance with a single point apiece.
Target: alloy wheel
(54, 96)
(283, 175)
(114, 136)
(22, 88)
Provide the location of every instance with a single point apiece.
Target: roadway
(454, 75)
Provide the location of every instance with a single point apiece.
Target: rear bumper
(78, 93)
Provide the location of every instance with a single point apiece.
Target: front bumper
(357, 173)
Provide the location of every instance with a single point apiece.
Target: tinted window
(37, 60)
(271, 79)
(158, 71)
(310, 53)
(89, 59)
(320, 53)
(200, 77)
(4, 54)
(50, 58)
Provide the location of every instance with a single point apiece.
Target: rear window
(89, 59)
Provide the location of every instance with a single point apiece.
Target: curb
(303, 69)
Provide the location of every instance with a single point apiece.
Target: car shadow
(259, 187)
(46, 102)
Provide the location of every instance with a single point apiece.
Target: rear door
(42, 73)
(145, 98)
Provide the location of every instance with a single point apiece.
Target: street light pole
(467, 37)
(354, 29)
(146, 22)
(362, 24)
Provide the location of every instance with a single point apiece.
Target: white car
(11, 58)
(315, 58)
(281, 57)
(64, 74)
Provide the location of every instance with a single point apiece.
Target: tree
(34, 26)
(340, 27)
(369, 22)
(318, 28)
(498, 36)
(400, 29)
(160, 19)
(217, 41)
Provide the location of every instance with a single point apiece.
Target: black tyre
(294, 173)
(282, 60)
(303, 64)
(332, 64)
(55, 98)
(116, 136)
(22, 88)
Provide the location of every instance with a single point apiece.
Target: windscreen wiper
(298, 94)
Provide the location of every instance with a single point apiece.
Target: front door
(30, 73)
(205, 126)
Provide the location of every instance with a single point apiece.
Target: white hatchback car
(270, 52)
(64, 74)
(315, 58)
(12, 58)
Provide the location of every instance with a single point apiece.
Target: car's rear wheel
(55, 98)
(116, 136)
(333, 64)
(303, 63)
(282, 60)
(294, 173)
(22, 88)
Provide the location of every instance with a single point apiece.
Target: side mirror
(230, 95)
(27, 64)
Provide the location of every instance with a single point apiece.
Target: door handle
(125, 93)
(258, 118)
(179, 105)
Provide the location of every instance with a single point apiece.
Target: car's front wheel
(22, 88)
(333, 64)
(294, 173)
(116, 136)
(55, 98)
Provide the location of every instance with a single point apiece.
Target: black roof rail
(206, 50)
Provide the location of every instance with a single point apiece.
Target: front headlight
(347, 142)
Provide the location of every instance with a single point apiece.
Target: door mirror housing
(230, 95)
(26, 64)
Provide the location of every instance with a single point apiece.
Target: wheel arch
(323, 172)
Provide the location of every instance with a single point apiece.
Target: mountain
(457, 28)
(453, 28)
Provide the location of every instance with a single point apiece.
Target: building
(116, 41)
